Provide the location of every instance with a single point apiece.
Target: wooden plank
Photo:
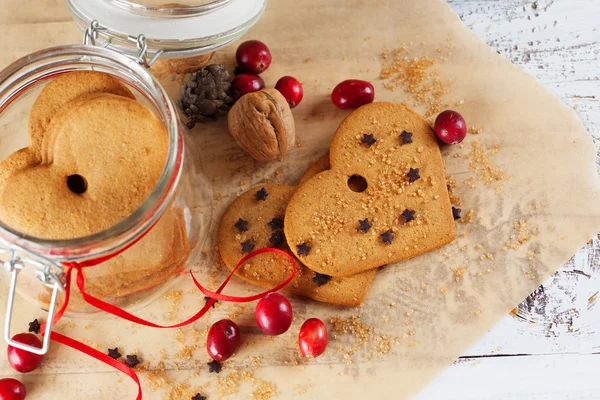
(551, 377)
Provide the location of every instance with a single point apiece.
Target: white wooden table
(550, 350)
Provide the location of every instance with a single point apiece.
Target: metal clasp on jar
(48, 273)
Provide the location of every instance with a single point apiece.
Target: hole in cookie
(357, 183)
(77, 184)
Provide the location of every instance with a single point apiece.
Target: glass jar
(137, 256)
(132, 262)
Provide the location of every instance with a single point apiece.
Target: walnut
(263, 125)
(181, 65)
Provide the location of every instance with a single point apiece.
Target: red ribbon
(119, 312)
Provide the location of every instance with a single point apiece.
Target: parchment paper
(421, 314)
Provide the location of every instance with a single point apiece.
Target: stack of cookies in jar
(95, 155)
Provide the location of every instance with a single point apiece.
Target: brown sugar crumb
(298, 143)
(451, 185)
(308, 60)
(443, 290)
(458, 273)
(523, 233)
(468, 218)
(474, 130)
(229, 385)
(175, 297)
(365, 340)
(486, 171)
(418, 76)
(265, 391)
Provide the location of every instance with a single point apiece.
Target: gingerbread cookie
(255, 220)
(383, 200)
(322, 164)
(63, 90)
(107, 154)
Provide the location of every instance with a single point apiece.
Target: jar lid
(173, 30)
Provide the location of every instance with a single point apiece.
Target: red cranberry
(291, 89)
(274, 314)
(11, 389)
(450, 127)
(253, 56)
(223, 340)
(21, 360)
(352, 94)
(246, 83)
(312, 338)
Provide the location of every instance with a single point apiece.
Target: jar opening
(30, 73)
(169, 9)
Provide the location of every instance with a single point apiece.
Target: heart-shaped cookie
(106, 156)
(383, 200)
(255, 220)
(63, 90)
(52, 99)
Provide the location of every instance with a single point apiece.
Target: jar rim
(19, 76)
(169, 12)
(200, 32)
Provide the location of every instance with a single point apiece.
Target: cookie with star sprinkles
(384, 198)
(251, 223)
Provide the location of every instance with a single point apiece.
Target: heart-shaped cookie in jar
(105, 155)
(383, 200)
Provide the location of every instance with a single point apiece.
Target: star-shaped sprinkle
(276, 223)
(387, 237)
(368, 139)
(241, 225)
(406, 137)
(132, 360)
(247, 246)
(413, 174)
(276, 238)
(364, 225)
(456, 212)
(215, 366)
(321, 279)
(114, 353)
(34, 326)
(262, 194)
(198, 396)
(207, 299)
(303, 249)
(408, 215)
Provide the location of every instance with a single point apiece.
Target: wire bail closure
(91, 34)
(48, 273)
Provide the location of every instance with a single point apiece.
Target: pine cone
(206, 96)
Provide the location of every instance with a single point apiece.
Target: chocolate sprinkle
(198, 396)
(132, 361)
(207, 299)
(321, 279)
(247, 246)
(303, 249)
(406, 137)
(456, 212)
(364, 225)
(276, 238)
(214, 366)
(276, 223)
(408, 215)
(241, 225)
(34, 326)
(368, 139)
(262, 194)
(114, 353)
(387, 237)
(413, 175)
